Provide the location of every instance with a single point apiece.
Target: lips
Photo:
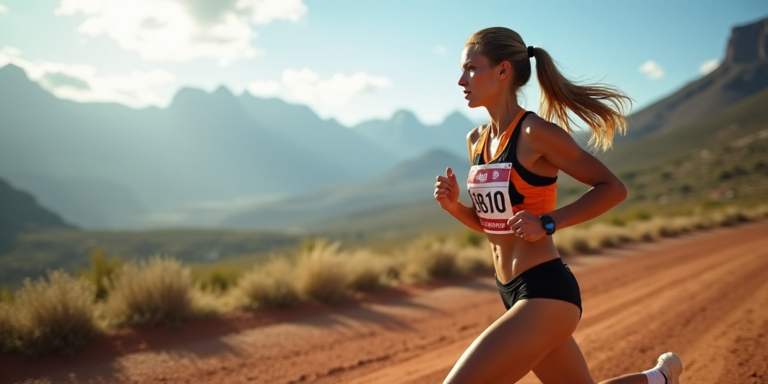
(466, 94)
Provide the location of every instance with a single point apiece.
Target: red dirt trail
(704, 296)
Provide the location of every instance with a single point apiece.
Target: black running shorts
(549, 280)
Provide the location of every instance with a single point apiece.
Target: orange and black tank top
(502, 187)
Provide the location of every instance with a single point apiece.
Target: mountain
(19, 212)
(410, 181)
(161, 165)
(743, 73)
(404, 136)
(747, 117)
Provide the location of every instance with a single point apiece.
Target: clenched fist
(447, 190)
(527, 226)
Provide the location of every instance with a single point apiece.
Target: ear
(505, 70)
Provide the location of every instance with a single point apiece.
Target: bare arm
(447, 193)
(559, 148)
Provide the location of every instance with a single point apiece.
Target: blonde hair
(601, 106)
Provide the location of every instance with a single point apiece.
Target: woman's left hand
(527, 226)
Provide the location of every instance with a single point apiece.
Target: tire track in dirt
(703, 296)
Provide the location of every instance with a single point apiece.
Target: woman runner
(515, 160)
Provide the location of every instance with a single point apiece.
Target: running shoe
(671, 366)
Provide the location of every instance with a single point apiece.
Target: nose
(462, 82)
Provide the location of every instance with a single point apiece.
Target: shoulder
(474, 135)
(541, 134)
(472, 138)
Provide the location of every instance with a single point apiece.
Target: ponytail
(602, 107)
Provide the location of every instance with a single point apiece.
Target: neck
(502, 113)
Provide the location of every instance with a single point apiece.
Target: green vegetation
(62, 314)
(74, 250)
(733, 173)
(744, 119)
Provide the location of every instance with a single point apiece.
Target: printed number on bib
(489, 187)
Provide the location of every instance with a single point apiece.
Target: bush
(430, 258)
(101, 272)
(153, 292)
(6, 327)
(569, 241)
(365, 271)
(321, 273)
(472, 239)
(218, 279)
(474, 260)
(53, 316)
(272, 284)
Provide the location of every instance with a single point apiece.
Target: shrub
(5, 295)
(427, 258)
(6, 327)
(153, 292)
(365, 271)
(320, 273)
(569, 241)
(217, 279)
(606, 236)
(474, 259)
(53, 316)
(472, 239)
(272, 284)
(101, 272)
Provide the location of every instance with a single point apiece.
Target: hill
(743, 73)
(409, 181)
(205, 147)
(19, 213)
(739, 120)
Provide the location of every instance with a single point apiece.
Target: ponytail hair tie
(530, 51)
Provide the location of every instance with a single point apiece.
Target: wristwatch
(548, 224)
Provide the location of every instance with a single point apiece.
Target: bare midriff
(513, 255)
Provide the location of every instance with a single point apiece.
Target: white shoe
(671, 366)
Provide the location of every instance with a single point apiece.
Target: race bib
(488, 185)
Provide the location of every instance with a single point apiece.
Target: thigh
(510, 347)
(564, 365)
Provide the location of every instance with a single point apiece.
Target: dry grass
(6, 327)
(429, 258)
(153, 292)
(321, 273)
(53, 316)
(474, 259)
(366, 271)
(598, 236)
(272, 284)
(58, 315)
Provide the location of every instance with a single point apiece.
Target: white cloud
(439, 50)
(708, 66)
(3, 9)
(264, 88)
(83, 83)
(652, 70)
(10, 51)
(182, 30)
(307, 86)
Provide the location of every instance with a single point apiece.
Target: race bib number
(489, 187)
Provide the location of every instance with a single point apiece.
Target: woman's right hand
(447, 190)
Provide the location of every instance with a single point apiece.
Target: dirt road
(704, 296)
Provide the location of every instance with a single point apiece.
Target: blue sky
(353, 60)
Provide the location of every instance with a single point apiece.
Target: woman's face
(481, 81)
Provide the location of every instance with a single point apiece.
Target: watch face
(549, 226)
